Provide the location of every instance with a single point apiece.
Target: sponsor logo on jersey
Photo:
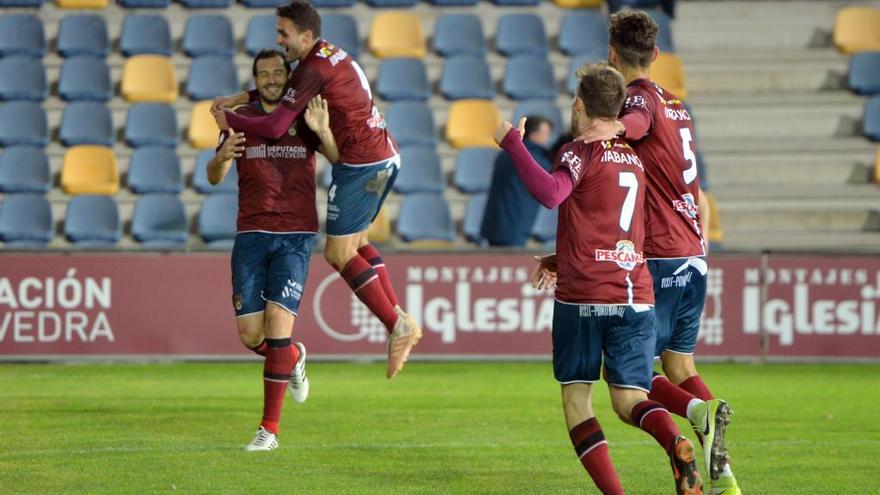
(624, 255)
(573, 162)
(331, 53)
(636, 101)
(261, 151)
(376, 120)
(686, 205)
(290, 96)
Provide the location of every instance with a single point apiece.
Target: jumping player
(604, 299)
(277, 227)
(362, 179)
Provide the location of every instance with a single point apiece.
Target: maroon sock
(259, 348)
(374, 258)
(672, 397)
(696, 386)
(365, 283)
(652, 417)
(592, 450)
(276, 373)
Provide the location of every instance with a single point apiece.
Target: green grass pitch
(463, 428)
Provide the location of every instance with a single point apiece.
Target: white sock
(690, 410)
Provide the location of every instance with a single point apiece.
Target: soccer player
(604, 298)
(277, 228)
(367, 167)
(661, 131)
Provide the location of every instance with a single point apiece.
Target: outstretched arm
(271, 126)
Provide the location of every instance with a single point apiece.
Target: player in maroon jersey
(604, 298)
(660, 129)
(366, 169)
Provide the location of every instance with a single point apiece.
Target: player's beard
(266, 96)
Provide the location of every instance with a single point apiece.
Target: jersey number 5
(631, 183)
(686, 139)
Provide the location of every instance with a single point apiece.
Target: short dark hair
(633, 34)
(602, 90)
(269, 54)
(304, 16)
(533, 123)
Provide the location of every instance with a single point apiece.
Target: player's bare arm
(219, 164)
(545, 272)
(317, 117)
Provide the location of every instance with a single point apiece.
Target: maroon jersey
(672, 214)
(601, 226)
(276, 180)
(357, 125)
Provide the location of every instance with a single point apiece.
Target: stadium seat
(397, 34)
(145, 34)
(151, 124)
(581, 60)
(23, 122)
(668, 72)
(517, 3)
(208, 34)
(86, 122)
(857, 29)
(83, 34)
(159, 220)
(453, 3)
(200, 176)
(21, 3)
(379, 230)
(85, 78)
(22, 78)
(864, 73)
(716, 232)
(22, 34)
(391, 3)
(332, 3)
(584, 31)
(154, 169)
(206, 4)
(403, 79)
(412, 123)
(82, 4)
(466, 76)
(92, 221)
(420, 171)
(473, 218)
(578, 4)
(211, 76)
(261, 34)
(145, 4)
(89, 170)
(544, 229)
(149, 78)
(664, 37)
(529, 76)
(877, 167)
(459, 34)
(203, 131)
(473, 169)
(472, 123)
(24, 169)
(217, 220)
(871, 121)
(326, 177)
(544, 108)
(25, 221)
(425, 217)
(520, 33)
(342, 31)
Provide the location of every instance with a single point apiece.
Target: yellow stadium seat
(89, 170)
(82, 4)
(668, 72)
(857, 29)
(149, 78)
(472, 123)
(877, 168)
(579, 4)
(380, 229)
(203, 131)
(716, 233)
(396, 34)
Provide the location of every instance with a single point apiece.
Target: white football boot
(263, 440)
(298, 386)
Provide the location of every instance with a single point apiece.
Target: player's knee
(279, 323)
(250, 336)
(678, 367)
(337, 257)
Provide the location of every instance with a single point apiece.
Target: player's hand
(544, 275)
(506, 126)
(318, 115)
(601, 130)
(220, 118)
(232, 147)
(221, 103)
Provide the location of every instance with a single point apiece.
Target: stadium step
(823, 216)
(798, 241)
(790, 168)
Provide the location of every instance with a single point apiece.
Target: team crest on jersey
(686, 205)
(636, 101)
(624, 255)
(291, 131)
(237, 301)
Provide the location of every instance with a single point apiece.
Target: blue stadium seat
(517, 3)
(391, 3)
(83, 34)
(453, 3)
(154, 169)
(458, 34)
(200, 176)
(544, 229)
(412, 123)
(145, 34)
(332, 3)
(420, 171)
(22, 34)
(664, 37)
(208, 34)
(581, 60)
(260, 4)
(473, 169)
(23, 122)
(864, 73)
(217, 220)
(327, 177)
(544, 108)
(151, 124)
(211, 76)
(22, 78)
(159, 221)
(520, 33)
(466, 76)
(342, 31)
(871, 122)
(145, 4)
(92, 221)
(85, 78)
(403, 79)
(584, 31)
(25, 221)
(206, 4)
(425, 216)
(86, 122)
(529, 76)
(20, 3)
(24, 169)
(261, 34)
(473, 218)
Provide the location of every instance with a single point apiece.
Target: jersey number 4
(686, 139)
(631, 183)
